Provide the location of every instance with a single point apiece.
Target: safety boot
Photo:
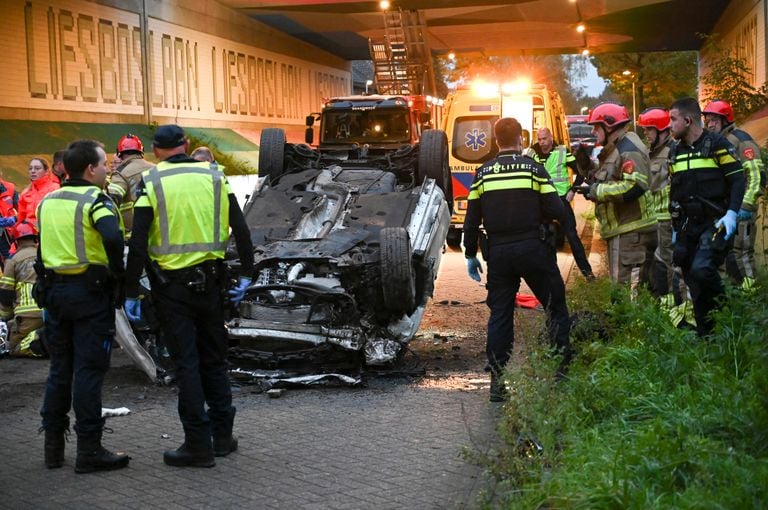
(185, 456)
(91, 456)
(224, 442)
(498, 391)
(54, 448)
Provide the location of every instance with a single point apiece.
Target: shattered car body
(347, 243)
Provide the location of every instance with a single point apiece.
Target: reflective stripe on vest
(155, 177)
(64, 261)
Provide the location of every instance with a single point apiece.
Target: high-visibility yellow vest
(191, 213)
(69, 241)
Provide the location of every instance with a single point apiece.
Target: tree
(726, 79)
(659, 78)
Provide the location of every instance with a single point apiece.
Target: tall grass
(649, 416)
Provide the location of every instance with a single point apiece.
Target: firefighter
(9, 206)
(513, 197)
(557, 160)
(182, 216)
(81, 255)
(619, 181)
(706, 193)
(740, 262)
(126, 177)
(655, 124)
(16, 301)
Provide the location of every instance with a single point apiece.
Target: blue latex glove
(133, 309)
(674, 237)
(474, 268)
(728, 222)
(237, 293)
(744, 215)
(7, 221)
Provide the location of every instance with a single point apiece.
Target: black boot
(54, 448)
(91, 456)
(184, 456)
(498, 391)
(224, 442)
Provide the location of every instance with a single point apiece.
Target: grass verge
(649, 416)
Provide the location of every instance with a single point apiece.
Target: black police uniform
(513, 196)
(706, 181)
(192, 318)
(80, 327)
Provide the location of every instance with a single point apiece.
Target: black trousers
(700, 257)
(577, 248)
(80, 327)
(536, 263)
(193, 324)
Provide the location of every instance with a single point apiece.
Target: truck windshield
(388, 125)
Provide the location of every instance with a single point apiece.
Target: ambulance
(468, 117)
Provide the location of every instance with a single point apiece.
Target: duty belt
(497, 239)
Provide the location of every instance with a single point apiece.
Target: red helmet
(609, 114)
(129, 143)
(654, 117)
(24, 229)
(720, 107)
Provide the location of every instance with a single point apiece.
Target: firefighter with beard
(706, 193)
(740, 262)
(619, 185)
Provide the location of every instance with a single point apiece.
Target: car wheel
(433, 162)
(454, 238)
(397, 278)
(271, 153)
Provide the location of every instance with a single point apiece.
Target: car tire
(433, 162)
(398, 281)
(271, 153)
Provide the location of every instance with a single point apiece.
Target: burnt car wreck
(348, 241)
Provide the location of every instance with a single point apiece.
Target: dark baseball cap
(168, 137)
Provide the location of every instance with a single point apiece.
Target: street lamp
(627, 72)
(368, 83)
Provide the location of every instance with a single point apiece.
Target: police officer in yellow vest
(740, 262)
(182, 218)
(81, 249)
(557, 160)
(619, 185)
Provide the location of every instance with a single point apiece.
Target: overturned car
(347, 243)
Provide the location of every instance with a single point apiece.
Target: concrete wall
(742, 29)
(209, 66)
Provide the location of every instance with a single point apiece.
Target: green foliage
(659, 78)
(232, 165)
(650, 417)
(727, 79)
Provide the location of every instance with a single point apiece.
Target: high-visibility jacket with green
(659, 183)
(708, 169)
(190, 207)
(69, 241)
(556, 163)
(624, 167)
(748, 153)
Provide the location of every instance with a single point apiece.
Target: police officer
(740, 262)
(513, 197)
(125, 179)
(655, 124)
(557, 160)
(622, 206)
(182, 218)
(706, 191)
(81, 249)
